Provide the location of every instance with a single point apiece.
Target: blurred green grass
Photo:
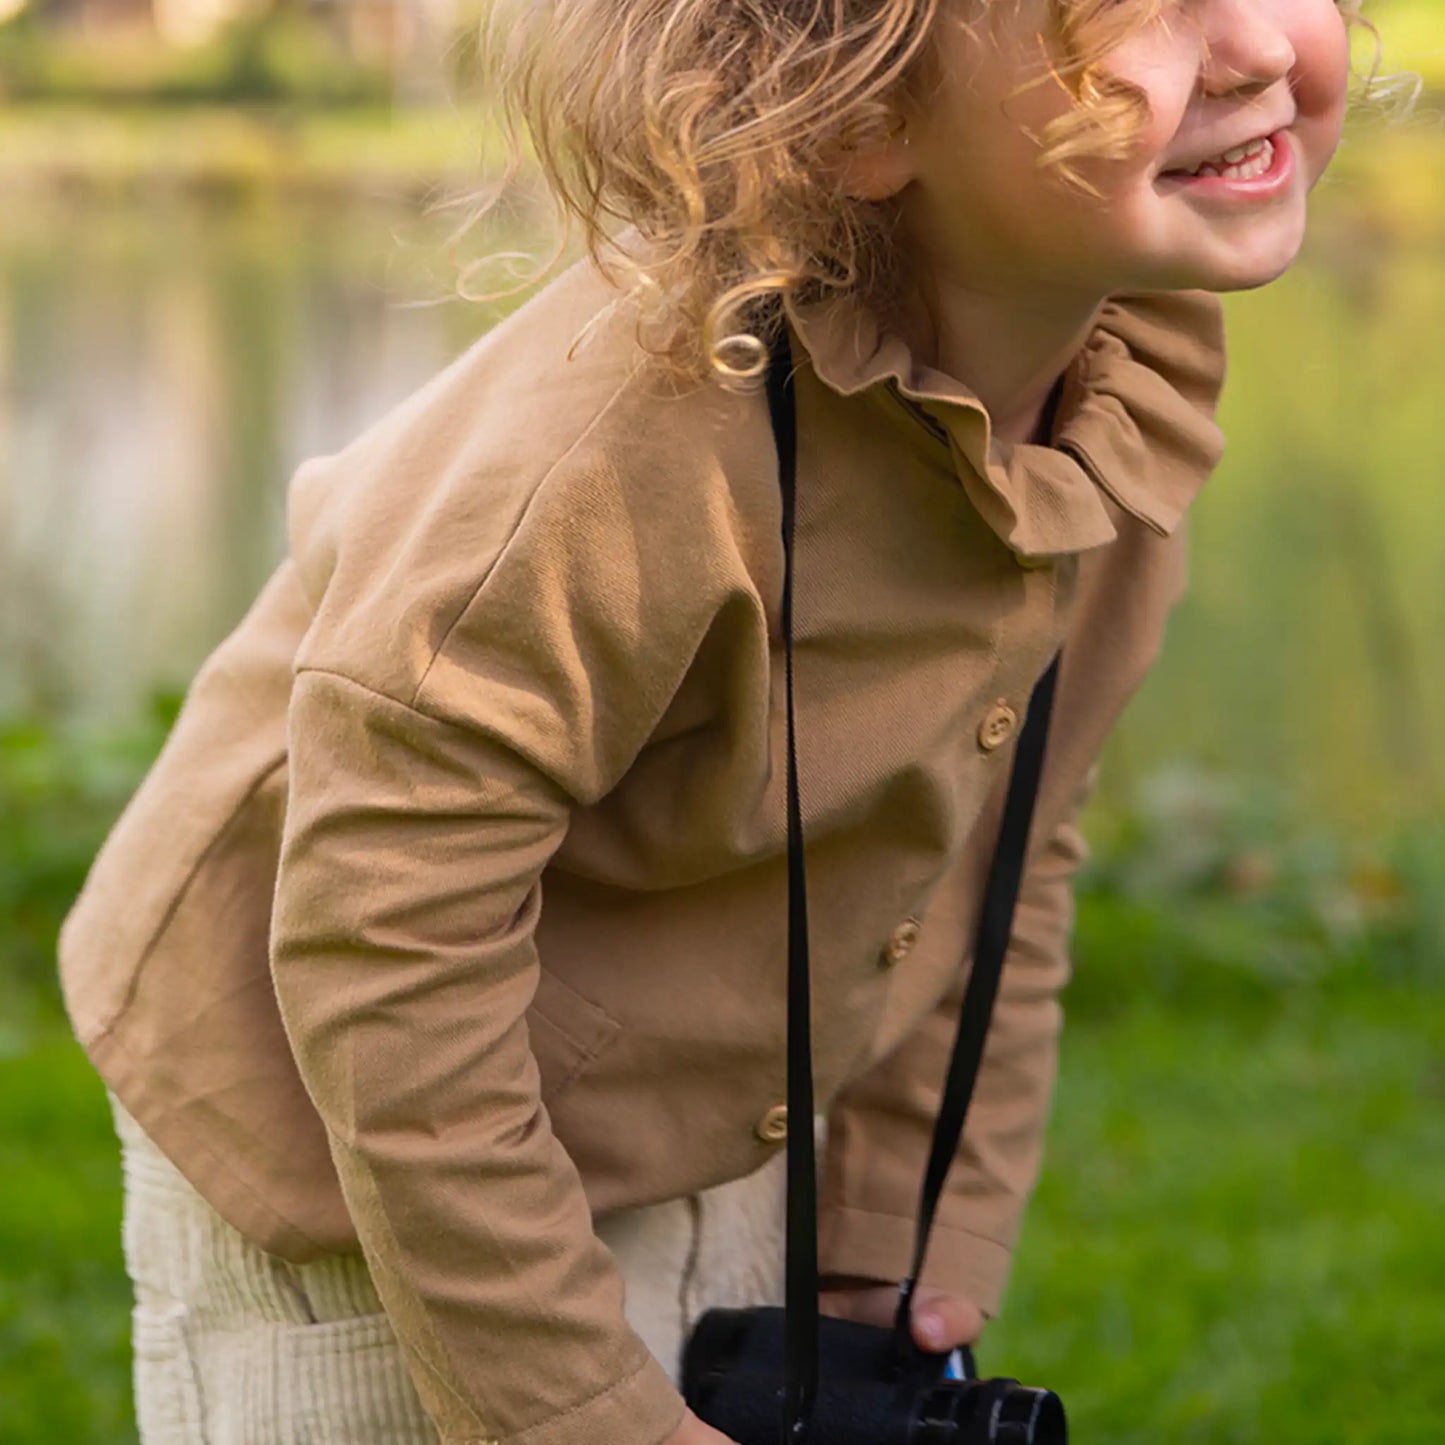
(1237, 1238)
(1238, 1234)
(64, 1300)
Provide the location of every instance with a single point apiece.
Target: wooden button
(900, 943)
(772, 1128)
(997, 726)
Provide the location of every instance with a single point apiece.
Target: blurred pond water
(166, 366)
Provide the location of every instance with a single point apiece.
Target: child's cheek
(1320, 79)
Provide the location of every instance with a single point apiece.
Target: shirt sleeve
(403, 950)
(880, 1126)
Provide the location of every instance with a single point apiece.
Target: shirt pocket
(568, 1033)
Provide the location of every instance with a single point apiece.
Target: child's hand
(958, 1320)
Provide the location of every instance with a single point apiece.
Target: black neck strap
(991, 945)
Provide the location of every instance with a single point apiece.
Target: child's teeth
(1242, 163)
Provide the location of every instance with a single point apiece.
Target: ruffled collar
(1134, 419)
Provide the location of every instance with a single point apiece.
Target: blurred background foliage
(168, 52)
(227, 246)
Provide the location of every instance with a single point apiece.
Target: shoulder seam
(376, 692)
(420, 713)
(522, 515)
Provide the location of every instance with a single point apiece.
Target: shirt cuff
(880, 1246)
(645, 1408)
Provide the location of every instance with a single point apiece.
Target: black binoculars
(732, 1377)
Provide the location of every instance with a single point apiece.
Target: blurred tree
(193, 22)
(93, 15)
(406, 37)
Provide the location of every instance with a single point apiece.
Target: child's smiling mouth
(1259, 170)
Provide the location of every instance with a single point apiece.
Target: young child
(438, 967)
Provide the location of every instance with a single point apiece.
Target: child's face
(1217, 74)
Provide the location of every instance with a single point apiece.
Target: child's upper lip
(1227, 145)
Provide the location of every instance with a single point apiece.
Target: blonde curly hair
(715, 128)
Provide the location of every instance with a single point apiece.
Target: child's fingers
(959, 1321)
(941, 1321)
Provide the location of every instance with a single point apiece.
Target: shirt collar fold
(1134, 420)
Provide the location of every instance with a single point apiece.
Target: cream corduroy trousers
(234, 1346)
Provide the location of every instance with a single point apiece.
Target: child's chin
(1242, 274)
(1252, 278)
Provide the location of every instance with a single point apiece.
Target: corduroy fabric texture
(235, 1346)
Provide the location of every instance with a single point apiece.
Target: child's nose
(1246, 46)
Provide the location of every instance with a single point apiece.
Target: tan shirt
(493, 765)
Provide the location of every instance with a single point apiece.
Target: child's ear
(874, 166)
